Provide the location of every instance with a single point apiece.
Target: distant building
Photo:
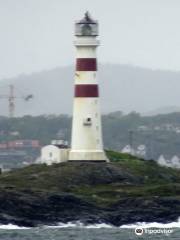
(174, 162)
(128, 149)
(177, 130)
(142, 128)
(162, 161)
(56, 152)
(14, 133)
(19, 143)
(141, 151)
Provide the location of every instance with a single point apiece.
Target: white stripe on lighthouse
(85, 77)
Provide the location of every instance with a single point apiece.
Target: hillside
(126, 190)
(122, 87)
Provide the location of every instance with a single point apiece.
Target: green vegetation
(161, 133)
(149, 170)
(100, 183)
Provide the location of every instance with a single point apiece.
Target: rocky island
(125, 190)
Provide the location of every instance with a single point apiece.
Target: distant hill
(163, 110)
(122, 87)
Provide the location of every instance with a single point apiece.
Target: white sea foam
(104, 225)
(100, 225)
(153, 225)
(11, 227)
(80, 225)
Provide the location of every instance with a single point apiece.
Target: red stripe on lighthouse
(86, 90)
(86, 64)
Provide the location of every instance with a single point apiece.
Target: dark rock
(86, 192)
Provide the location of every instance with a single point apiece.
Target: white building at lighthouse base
(56, 152)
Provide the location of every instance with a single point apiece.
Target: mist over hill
(122, 87)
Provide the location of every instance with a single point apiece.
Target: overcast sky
(38, 34)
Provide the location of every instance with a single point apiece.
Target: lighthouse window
(86, 30)
(88, 121)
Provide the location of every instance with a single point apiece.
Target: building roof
(87, 19)
(55, 146)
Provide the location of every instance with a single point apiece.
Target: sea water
(77, 231)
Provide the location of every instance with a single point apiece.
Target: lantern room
(86, 27)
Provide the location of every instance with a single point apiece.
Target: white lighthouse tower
(86, 142)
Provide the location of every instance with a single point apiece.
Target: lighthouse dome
(86, 26)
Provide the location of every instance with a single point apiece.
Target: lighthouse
(86, 140)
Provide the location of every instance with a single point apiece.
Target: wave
(153, 225)
(60, 225)
(79, 224)
(11, 227)
(104, 225)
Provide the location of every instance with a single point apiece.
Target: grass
(149, 170)
(67, 177)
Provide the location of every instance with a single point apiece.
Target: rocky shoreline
(91, 193)
(36, 209)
